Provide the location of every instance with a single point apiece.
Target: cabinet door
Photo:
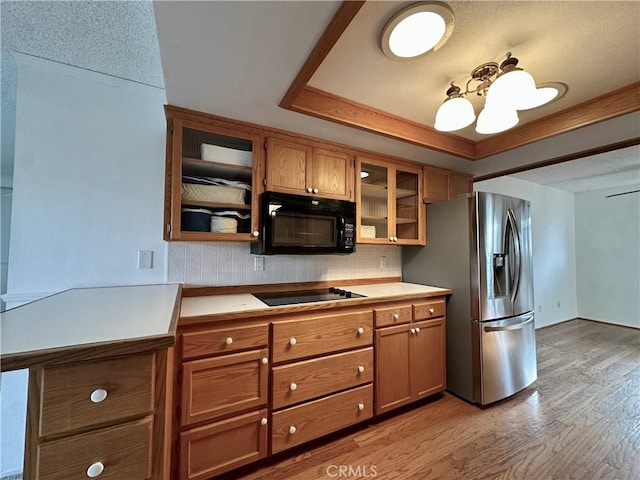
(200, 148)
(393, 382)
(217, 386)
(408, 206)
(332, 174)
(436, 185)
(288, 167)
(222, 446)
(428, 365)
(459, 183)
(373, 210)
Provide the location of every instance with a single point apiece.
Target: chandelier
(506, 89)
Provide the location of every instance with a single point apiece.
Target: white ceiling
(237, 59)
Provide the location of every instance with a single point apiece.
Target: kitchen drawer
(222, 446)
(305, 422)
(392, 315)
(124, 452)
(293, 339)
(309, 379)
(71, 393)
(427, 310)
(224, 340)
(217, 386)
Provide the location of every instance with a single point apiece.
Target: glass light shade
(496, 120)
(454, 114)
(364, 174)
(416, 34)
(537, 98)
(510, 89)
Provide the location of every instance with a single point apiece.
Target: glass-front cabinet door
(390, 208)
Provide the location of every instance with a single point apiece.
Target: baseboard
(558, 323)
(608, 323)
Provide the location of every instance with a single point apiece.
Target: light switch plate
(145, 259)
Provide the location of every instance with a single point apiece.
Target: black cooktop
(274, 299)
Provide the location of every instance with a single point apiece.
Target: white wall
(608, 255)
(553, 243)
(88, 193)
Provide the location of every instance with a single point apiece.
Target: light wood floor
(579, 420)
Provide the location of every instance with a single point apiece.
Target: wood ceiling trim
(328, 106)
(613, 104)
(339, 23)
(302, 98)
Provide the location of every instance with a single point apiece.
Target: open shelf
(403, 193)
(374, 191)
(205, 168)
(403, 221)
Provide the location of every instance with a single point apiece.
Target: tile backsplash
(225, 263)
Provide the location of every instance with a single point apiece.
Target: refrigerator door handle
(509, 327)
(517, 253)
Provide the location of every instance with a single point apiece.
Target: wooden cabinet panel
(332, 174)
(428, 364)
(305, 422)
(459, 183)
(294, 339)
(223, 340)
(286, 168)
(436, 185)
(123, 450)
(222, 446)
(426, 310)
(395, 315)
(301, 381)
(223, 385)
(393, 381)
(71, 394)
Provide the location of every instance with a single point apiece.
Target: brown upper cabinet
(303, 169)
(441, 185)
(212, 175)
(389, 207)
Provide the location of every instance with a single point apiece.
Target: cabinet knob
(361, 406)
(315, 190)
(431, 310)
(396, 316)
(95, 470)
(417, 329)
(361, 368)
(263, 421)
(309, 190)
(292, 429)
(293, 341)
(360, 330)
(98, 395)
(412, 330)
(391, 239)
(228, 340)
(256, 233)
(395, 239)
(293, 387)
(265, 360)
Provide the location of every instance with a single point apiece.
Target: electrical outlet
(258, 264)
(145, 259)
(383, 262)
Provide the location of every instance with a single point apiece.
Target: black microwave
(295, 224)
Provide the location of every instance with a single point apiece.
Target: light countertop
(89, 317)
(209, 305)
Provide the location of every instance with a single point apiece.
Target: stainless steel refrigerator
(480, 246)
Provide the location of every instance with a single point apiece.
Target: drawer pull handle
(360, 368)
(293, 387)
(417, 329)
(293, 341)
(431, 310)
(263, 421)
(265, 360)
(95, 470)
(412, 330)
(228, 340)
(98, 395)
(396, 316)
(360, 330)
(361, 406)
(292, 429)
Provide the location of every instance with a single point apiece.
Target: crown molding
(305, 99)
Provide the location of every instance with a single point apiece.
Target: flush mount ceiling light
(506, 89)
(417, 29)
